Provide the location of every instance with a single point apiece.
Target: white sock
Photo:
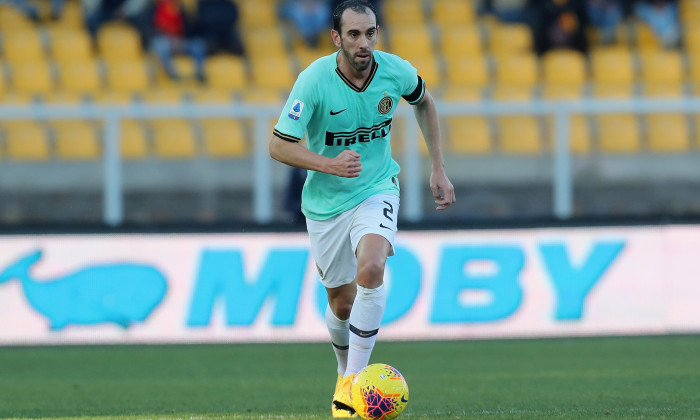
(340, 333)
(365, 317)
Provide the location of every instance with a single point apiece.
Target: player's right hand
(347, 164)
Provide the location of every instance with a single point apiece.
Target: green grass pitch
(573, 378)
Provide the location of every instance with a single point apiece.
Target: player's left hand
(442, 188)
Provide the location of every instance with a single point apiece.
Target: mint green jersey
(336, 115)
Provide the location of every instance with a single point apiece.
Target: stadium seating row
(462, 56)
(166, 139)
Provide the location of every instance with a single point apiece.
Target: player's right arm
(347, 164)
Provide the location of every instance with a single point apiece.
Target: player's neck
(357, 78)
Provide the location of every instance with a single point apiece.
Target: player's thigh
(377, 215)
(332, 250)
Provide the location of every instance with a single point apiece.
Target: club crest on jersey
(295, 111)
(385, 105)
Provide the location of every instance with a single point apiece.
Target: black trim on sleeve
(417, 93)
(286, 137)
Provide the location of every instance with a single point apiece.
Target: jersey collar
(364, 86)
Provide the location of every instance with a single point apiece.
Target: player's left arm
(440, 185)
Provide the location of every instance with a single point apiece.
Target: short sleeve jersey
(336, 115)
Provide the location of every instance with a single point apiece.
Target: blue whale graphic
(118, 293)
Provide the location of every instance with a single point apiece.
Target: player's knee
(341, 308)
(370, 273)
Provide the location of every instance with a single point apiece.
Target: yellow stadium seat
(506, 92)
(691, 38)
(112, 97)
(133, 140)
(469, 135)
(128, 76)
(428, 69)
(71, 45)
(564, 67)
(662, 67)
(646, 39)
(26, 140)
(518, 70)
(264, 42)
(81, 76)
(226, 72)
(272, 72)
(508, 39)
(662, 90)
(453, 12)
(457, 41)
(33, 78)
(668, 133)
(174, 139)
(306, 55)
(411, 41)
(171, 96)
(612, 65)
(694, 69)
(71, 16)
(119, 42)
(459, 93)
(519, 135)
(211, 96)
(63, 97)
(76, 140)
(467, 70)
(22, 45)
(618, 133)
(258, 13)
(262, 95)
(224, 138)
(561, 92)
(14, 98)
(613, 90)
(12, 19)
(403, 12)
(3, 81)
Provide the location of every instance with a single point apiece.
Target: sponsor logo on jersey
(360, 135)
(295, 111)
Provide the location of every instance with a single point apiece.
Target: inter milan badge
(385, 105)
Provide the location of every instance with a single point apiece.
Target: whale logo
(117, 293)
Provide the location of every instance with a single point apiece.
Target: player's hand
(347, 164)
(442, 188)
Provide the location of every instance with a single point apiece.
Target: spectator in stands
(558, 24)
(31, 11)
(310, 17)
(98, 12)
(218, 20)
(662, 17)
(169, 30)
(507, 11)
(606, 16)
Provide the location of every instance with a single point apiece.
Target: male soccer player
(344, 104)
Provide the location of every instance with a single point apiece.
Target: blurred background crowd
(249, 51)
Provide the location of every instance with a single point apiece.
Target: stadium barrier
(412, 173)
(137, 288)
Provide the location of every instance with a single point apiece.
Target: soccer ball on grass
(379, 391)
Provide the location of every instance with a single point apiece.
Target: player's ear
(336, 38)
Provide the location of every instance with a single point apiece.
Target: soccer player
(344, 104)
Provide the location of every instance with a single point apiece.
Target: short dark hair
(358, 6)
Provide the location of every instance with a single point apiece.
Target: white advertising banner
(182, 288)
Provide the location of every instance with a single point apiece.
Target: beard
(358, 66)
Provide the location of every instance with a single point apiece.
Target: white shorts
(334, 241)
